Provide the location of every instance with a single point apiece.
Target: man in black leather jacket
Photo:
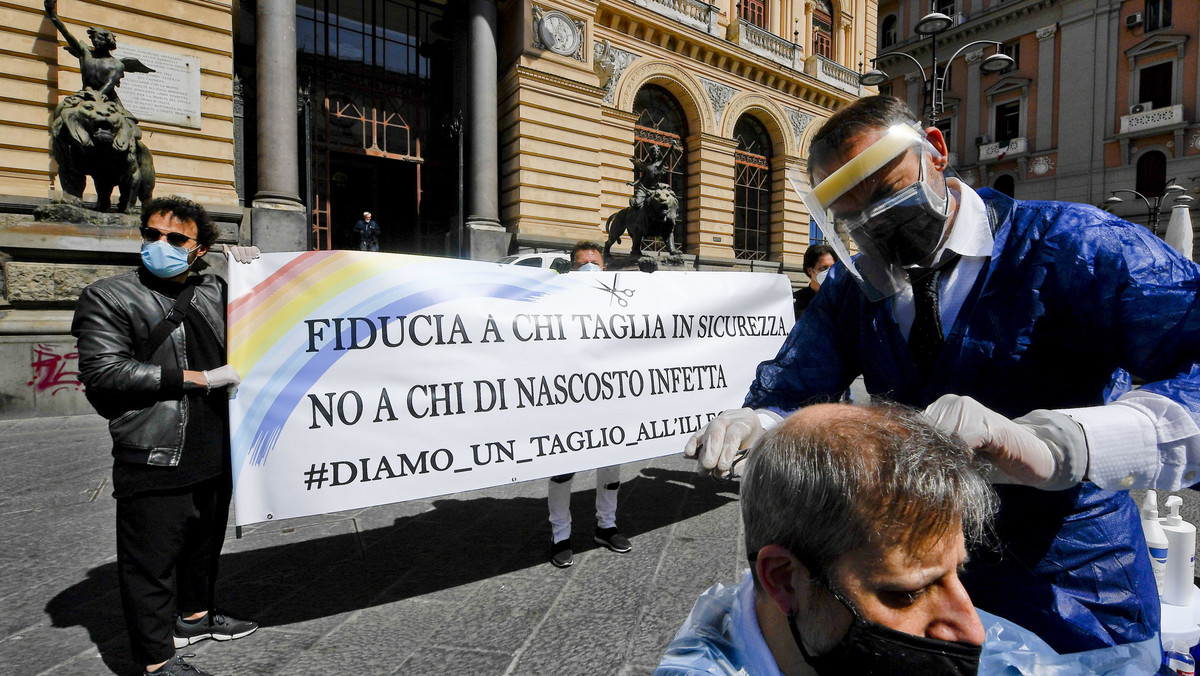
(169, 421)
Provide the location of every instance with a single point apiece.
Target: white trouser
(559, 499)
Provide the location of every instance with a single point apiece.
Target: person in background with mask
(585, 257)
(817, 261)
(858, 520)
(152, 357)
(1010, 319)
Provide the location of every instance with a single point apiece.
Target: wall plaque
(171, 94)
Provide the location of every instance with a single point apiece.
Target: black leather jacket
(113, 318)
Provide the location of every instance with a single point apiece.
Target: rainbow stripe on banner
(267, 334)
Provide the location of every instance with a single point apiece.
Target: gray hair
(878, 475)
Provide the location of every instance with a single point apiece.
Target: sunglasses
(173, 238)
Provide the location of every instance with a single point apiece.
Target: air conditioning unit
(1133, 20)
(982, 140)
(1141, 107)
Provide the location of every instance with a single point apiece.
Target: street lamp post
(1172, 190)
(934, 85)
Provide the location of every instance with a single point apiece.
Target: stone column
(486, 238)
(279, 219)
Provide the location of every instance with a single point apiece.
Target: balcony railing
(833, 73)
(996, 151)
(694, 13)
(1152, 119)
(768, 45)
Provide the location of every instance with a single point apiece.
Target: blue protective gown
(1071, 294)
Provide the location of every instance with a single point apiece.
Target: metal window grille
(752, 191)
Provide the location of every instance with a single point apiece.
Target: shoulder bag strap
(169, 323)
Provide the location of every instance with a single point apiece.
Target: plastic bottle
(1156, 539)
(1178, 660)
(1181, 556)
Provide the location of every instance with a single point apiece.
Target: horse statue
(655, 217)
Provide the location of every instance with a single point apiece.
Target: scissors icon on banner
(616, 291)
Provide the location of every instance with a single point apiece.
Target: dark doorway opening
(386, 188)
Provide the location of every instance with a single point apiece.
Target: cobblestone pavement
(455, 584)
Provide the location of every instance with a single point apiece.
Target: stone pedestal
(278, 226)
(483, 242)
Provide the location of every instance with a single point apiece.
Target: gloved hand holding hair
(1043, 449)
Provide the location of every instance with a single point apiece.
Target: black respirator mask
(871, 648)
(904, 228)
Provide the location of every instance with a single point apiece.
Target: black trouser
(168, 544)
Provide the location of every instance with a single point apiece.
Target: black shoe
(561, 554)
(612, 538)
(213, 625)
(176, 666)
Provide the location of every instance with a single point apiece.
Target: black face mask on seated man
(871, 648)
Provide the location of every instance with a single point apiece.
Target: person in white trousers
(585, 257)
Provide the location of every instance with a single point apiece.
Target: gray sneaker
(176, 666)
(217, 626)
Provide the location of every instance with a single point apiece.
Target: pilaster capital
(1046, 32)
(975, 56)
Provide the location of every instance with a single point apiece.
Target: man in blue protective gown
(1008, 319)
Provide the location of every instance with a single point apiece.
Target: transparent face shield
(871, 200)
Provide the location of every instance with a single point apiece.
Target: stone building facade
(470, 128)
(1102, 98)
(730, 92)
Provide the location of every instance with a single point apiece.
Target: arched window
(822, 40)
(1005, 184)
(661, 122)
(887, 31)
(751, 190)
(1152, 173)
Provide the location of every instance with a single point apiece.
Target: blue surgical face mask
(166, 261)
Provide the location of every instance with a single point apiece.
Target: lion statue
(94, 136)
(656, 217)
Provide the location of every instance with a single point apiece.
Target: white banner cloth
(370, 378)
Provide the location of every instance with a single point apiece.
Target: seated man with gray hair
(857, 523)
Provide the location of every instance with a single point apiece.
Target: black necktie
(925, 339)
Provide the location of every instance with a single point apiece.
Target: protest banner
(370, 378)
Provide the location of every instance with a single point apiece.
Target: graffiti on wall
(55, 368)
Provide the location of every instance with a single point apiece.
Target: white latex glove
(715, 446)
(241, 254)
(1025, 451)
(223, 376)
